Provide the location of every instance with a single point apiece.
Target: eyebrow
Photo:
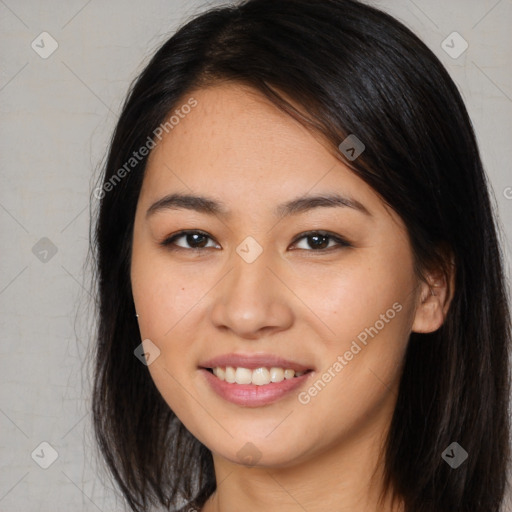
(298, 205)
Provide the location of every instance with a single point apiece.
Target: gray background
(57, 116)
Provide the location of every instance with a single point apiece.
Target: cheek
(165, 300)
(370, 310)
(163, 294)
(354, 298)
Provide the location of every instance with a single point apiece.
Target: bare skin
(295, 300)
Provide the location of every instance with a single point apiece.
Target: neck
(345, 478)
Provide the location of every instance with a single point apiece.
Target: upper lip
(252, 361)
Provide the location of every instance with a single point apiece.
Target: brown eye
(316, 241)
(194, 240)
(319, 241)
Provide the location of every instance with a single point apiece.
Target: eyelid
(168, 241)
(340, 241)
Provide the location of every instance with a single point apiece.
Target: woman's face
(259, 287)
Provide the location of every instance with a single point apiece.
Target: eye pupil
(192, 241)
(324, 241)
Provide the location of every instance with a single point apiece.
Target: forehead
(236, 144)
(233, 123)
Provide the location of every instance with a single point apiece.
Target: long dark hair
(352, 69)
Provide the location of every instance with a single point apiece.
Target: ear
(434, 298)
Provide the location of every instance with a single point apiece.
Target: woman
(301, 293)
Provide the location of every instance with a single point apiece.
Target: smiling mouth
(257, 376)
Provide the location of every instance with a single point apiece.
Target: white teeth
(289, 374)
(259, 376)
(243, 376)
(276, 374)
(230, 374)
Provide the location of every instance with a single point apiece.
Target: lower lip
(251, 395)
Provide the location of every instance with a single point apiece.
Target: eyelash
(341, 243)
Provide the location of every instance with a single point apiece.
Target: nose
(252, 301)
